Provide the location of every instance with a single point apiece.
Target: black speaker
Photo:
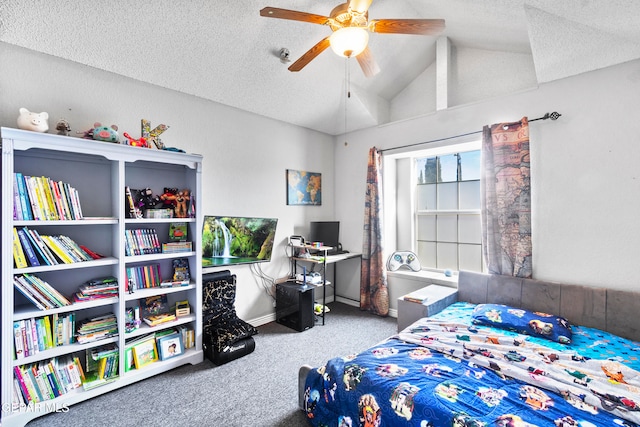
(294, 306)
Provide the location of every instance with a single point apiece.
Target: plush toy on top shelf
(142, 142)
(105, 133)
(101, 133)
(63, 127)
(37, 122)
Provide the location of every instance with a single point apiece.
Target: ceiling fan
(350, 25)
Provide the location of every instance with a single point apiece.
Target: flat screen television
(327, 232)
(229, 240)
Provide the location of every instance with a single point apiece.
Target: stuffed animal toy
(36, 122)
(145, 199)
(63, 127)
(182, 198)
(142, 142)
(105, 133)
(169, 198)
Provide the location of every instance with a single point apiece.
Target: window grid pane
(452, 239)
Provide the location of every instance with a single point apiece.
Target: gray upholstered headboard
(612, 310)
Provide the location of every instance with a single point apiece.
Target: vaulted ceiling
(226, 52)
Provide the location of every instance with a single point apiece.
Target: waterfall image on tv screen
(230, 240)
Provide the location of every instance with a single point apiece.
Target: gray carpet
(259, 389)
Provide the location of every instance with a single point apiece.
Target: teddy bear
(181, 203)
(37, 122)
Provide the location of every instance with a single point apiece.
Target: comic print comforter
(446, 372)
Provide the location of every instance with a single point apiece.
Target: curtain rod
(553, 116)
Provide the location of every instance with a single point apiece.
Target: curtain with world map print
(506, 205)
(374, 296)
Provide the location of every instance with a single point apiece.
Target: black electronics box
(294, 306)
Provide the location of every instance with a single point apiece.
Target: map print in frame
(304, 188)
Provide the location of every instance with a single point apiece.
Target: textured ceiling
(226, 52)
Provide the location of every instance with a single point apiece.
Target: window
(447, 211)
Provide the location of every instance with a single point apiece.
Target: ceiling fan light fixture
(349, 41)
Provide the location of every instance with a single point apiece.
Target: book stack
(188, 336)
(419, 296)
(141, 241)
(102, 366)
(47, 380)
(40, 249)
(32, 336)
(97, 328)
(41, 198)
(176, 247)
(143, 276)
(157, 319)
(106, 287)
(40, 293)
(156, 310)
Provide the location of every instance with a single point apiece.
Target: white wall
(245, 155)
(585, 174)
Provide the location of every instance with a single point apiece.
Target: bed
(510, 353)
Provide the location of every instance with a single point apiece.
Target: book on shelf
(155, 304)
(29, 250)
(42, 198)
(181, 269)
(19, 258)
(97, 328)
(34, 335)
(132, 210)
(101, 366)
(176, 247)
(104, 287)
(48, 379)
(155, 310)
(157, 319)
(36, 289)
(178, 231)
(141, 241)
(420, 296)
(23, 198)
(44, 249)
(143, 277)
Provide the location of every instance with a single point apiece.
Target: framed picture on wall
(304, 188)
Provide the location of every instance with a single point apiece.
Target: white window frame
(395, 216)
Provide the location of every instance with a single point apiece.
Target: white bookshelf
(99, 171)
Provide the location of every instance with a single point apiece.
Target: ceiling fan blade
(367, 63)
(294, 15)
(359, 6)
(407, 26)
(310, 55)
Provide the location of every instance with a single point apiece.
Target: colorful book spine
(18, 213)
(52, 260)
(34, 298)
(28, 248)
(18, 254)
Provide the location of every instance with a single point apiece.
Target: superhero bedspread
(448, 371)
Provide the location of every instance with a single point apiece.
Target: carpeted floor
(260, 389)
